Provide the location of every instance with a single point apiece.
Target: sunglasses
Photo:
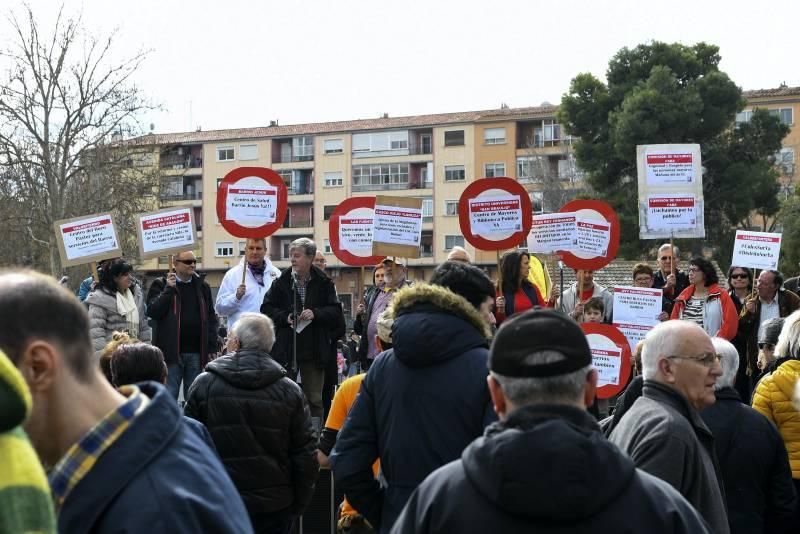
(187, 262)
(769, 346)
(739, 275)
(665, 258)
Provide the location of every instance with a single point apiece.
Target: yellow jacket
(773, 399)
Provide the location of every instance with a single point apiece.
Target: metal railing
(197, 195)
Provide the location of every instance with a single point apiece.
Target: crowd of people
(471, 404)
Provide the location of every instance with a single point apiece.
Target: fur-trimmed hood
(433, 324)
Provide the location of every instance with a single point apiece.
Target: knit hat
(535, 331)
(384, 325)
(770, 330)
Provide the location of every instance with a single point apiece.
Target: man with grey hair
(459, 254)
(304, 297)
(663, 432)
(672, 284)
(260, 424)
(545, 467)
(755, 467)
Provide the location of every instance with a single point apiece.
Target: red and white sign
(553, 232)
(88, 238)
(757, 250)
(634, 333)
(671, 212)
(671, 167)
(396, 225)
(603, 216)
(611, 356)
(593, 237)
(636, 311)
(494, 213)
(166, 231)
(350, 229)
(251, 202)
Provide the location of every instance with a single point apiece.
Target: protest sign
(397, 226)
(636, 311)
(553, 232)
(634, 333)
(251, 202)
(611, 356)
(166, 231)
(670, 178)
(757, 250)
(597, 240)
(494, 213)
(87, 239)
(350, 230)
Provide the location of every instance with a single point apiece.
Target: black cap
(538, 330)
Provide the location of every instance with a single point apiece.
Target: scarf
(126, 306)
(258, 272)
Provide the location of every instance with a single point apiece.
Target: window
(327, 211)
(552, 132)
(223, 249)
(531, 169)
(451, 208)
(398, 140)
(383, 176)
(784, 160)
(333, 179)
(454, 173)
(494, 170)
(427, 210)
(380, 141)
(784, 114)
(454, 138)
(537, 201)
(285, 248)
(225, 153)
(248, 152)
(494, 136)
(451, 241)
(744, 116)
(333, 146)
(303, 148)
(242, 247)
(326, 244)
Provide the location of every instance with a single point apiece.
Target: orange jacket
(729, 318)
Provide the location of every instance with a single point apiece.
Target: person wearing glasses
(643, 277)
(185, 324)
(740, 286)
(705, 304)
(662, 431)
(672, 284)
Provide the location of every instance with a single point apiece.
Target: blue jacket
(420, 405)
(158, 477)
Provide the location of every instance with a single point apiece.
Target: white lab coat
(228, 306)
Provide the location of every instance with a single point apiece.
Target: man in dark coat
(184, 322)
(311, 293)
(260, 424)
(121, 459)
(672, 284)
(755, 467)
(545, 467)
(663, 432)
(424, 400)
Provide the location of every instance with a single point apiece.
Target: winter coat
(361, 323)
(421, 403)
(164, 307)
(750, 322)
(320, 298)
(666, 437)
(566, 303)
(719, 315)
(755, 469)
(104, 319)
(681, 283)
(260, 423)
(158, 478)
(547, 468)
(773, 399)
(228, 305)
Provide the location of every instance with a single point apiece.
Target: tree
(672, 93)
(64, 106)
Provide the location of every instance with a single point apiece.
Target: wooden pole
(672, 252)
(755, 280)
(171, 263)
(360, 287)
(244, 270)
(579, 292)
(499, 273)
(95, 275)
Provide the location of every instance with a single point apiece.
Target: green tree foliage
(672, 93)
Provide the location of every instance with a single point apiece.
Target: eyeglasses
(768, 346)
(695, 270)
(187, 262)
(706, 360)
(665, 258)
(739, 275)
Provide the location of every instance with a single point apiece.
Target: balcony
(382, 187)
(172, 197)
(180, 162)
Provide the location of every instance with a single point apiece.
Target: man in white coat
(235, 297)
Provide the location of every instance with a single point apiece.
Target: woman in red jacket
(705, 303)
(516, 294)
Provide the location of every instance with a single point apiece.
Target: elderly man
(185, 324)
(235, 296)
(260, 424)
(672, 284)
(308, 292)
(120, 459)
(663, 432)
(753, 459)
(545, 467)
(770, 301)
(459, 254)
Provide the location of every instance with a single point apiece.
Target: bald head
(459, 254)
(672, 338)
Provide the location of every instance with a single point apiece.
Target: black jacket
(755, 467)
(681, 283)
(320, 298)
(421, 403)
(547, 468)
(164, 307)
(260, 423)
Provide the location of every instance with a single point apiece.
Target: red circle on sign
(613, 334)
(346, 257)
(477, 187)
(608, 213)
(252, 232)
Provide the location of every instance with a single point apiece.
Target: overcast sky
(233, 63)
